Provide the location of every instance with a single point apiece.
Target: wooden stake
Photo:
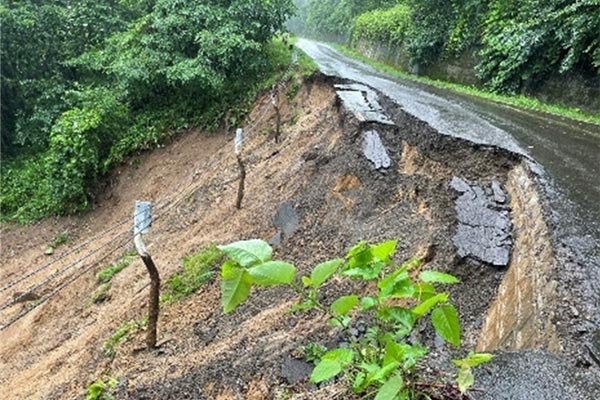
(275, 102)
(142, 222)
(239, 141)
(240, 194)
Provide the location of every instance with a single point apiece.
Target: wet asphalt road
(567, 150)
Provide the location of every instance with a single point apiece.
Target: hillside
(314, 195)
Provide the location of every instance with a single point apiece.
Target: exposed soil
(55, 351)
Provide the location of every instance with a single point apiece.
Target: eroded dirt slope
(319, 171)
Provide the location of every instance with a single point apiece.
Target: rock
(49, 251)
(287, 221)
(294, 371)
(484, 230)
(363, 102)
(374, 150)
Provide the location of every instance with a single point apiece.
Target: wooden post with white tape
(142, 223)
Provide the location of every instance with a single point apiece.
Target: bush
(384, 26)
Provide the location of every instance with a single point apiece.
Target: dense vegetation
(86, 83)
(519, 43)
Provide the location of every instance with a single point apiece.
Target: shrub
(385, 26)
(381, 362)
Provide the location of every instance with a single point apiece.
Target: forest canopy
(86, 83)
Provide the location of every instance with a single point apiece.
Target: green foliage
(465, 378)
(197, 270)
(526, 41)
(521, 42)
(109, 347)
(383, 26)
(107, 274)
(90, 83)
(334, 19)
(381, 362)
(101, 390)
(60, 239)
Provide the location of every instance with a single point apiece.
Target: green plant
(109, 347)
(381, 362)
(101, 390)
(107, 274)
(313, 351)
(60, 239)
(386, 26)
(197, 269)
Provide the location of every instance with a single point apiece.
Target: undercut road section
(564, 153)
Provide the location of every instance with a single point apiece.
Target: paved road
(568, 151)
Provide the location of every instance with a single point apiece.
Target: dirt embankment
(320, 171)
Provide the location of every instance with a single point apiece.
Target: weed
(101, 294)
(101, 390)
(313, 351)
(107, 274)
(197, 270)
(293, 90)
(109, 347)
(381, 361)
(60, 239)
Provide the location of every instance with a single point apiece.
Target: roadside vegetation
(376, 355)
(84, 85)
(518, 45)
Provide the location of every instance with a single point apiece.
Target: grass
(197, 269)
(519, 101)
(109, 347)
(107, 274)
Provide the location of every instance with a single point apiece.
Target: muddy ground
(54, 352)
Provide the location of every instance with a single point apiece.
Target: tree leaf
(438, 277)
(385, 250)
(248, 252)
(325, 370)
(236, 283)
(390, 388)
(341, 355)
(465, 379)
(273, 273)
(428, 304)
(331, 364)
(446, 324)
(344, 305)
(366, 303)
(322, 272)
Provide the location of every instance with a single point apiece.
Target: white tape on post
(142, 220)
(239, 140)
